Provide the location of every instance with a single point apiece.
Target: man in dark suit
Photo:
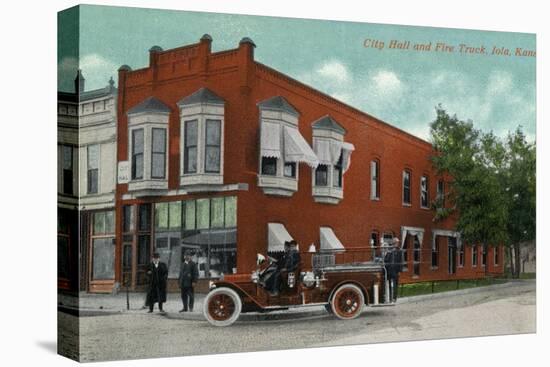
(157, 272)
(393, 262)
(189, 273)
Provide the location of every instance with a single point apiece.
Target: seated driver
(288, 264)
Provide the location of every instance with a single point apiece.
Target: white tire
(222, 306)
(347, 302)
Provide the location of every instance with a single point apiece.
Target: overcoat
(189, 273)
(393, 261)
(158, 276)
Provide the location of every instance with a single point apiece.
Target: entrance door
(451, 254)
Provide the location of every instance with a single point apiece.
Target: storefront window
(103, 245)
(168, 235)
(213, 240)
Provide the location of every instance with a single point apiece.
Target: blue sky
(401, 87)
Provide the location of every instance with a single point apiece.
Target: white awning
(446, 233)
(329, 241)
(413, 231)
(322, 150)
(297, 149)
(347, 148)
(270, 141)
(277, 235)
(344, 149)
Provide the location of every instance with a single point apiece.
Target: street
(497, 311)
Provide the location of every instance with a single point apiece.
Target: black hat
(156, 255)
(188, 253)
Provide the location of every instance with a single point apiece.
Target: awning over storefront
(329, 241)
(211, 237)
(413, 231)
(297, 149)
(446, 233)
(277, 235)
(270, 141)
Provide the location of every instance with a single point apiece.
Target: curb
(425, 297)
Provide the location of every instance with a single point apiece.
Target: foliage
(492, 182)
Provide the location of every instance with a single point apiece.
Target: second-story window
(67, 159)
(137, 154)
(190, 149)
(337, 173)
(375, 179)
(269, 166)
(93, 168)
(474, 255)
(158, 151)
(213, 144)
(406, 187)
(321, 175)
(289, 169)
(424, 198)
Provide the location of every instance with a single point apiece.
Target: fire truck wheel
(222, 306)
(347, 302)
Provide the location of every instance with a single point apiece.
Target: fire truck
(343, 282)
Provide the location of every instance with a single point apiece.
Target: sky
(399, 86)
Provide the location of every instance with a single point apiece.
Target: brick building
(222, 155)
(86, 185)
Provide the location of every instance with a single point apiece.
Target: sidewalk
(108, 304)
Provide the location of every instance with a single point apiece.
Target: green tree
(474, 163)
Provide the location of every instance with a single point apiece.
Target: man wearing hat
(393, 262)
(158, 275)
(189, 273)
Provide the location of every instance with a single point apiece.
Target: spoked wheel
(222, 306)
(347, 302)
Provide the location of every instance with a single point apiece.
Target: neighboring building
(86, 180)
(224, 156)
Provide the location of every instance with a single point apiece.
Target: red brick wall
(242, 83)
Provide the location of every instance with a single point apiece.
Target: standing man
(189, 273)
(393, 262)
(158, 276)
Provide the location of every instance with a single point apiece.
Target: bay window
(282, 148)
(334, 160)
(148, 145)
(202, 148)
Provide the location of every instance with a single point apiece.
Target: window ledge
(148, 185)
(200, 181)
(425, 207)
(327, 194)
(375, 198)
(435, 268)
(407, 205)
(278, 186)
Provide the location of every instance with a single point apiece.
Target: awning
(270, 141)
(211, 237)
(413, 231)
(344, 149)
(297, 149)
(329, 241)
(347, 148)
(323, 151)
(277, 235)
(446, 233)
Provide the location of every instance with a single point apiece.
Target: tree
(493, 183)
(520, 192)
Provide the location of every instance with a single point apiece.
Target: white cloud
(387, 83)
(335, 70)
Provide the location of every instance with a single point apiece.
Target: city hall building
(226, 157)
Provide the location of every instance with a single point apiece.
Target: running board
(383, 305)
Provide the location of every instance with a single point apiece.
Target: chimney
(79, 82)
(246, 63)
(153, 55)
